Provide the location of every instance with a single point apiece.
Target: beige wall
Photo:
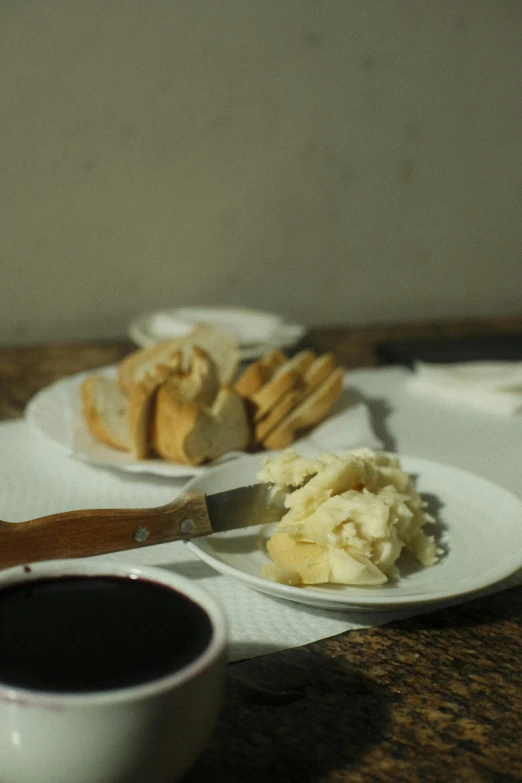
(337, 161)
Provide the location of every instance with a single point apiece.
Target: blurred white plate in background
(254, 331)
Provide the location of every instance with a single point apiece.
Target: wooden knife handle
(98, 531)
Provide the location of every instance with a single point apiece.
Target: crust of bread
(309, 413)
(141, 412)
(94, 417)
(199, 384)
(190, 434)
(317, 372)
(172, 422)
(259, 372)
(282, 408)
(287, 377)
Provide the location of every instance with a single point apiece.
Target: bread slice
(218, 345)
(318, 372)
(198, 383)
(141, 411)
(287, 377)
(105, 411)
(190, 434)
(309, 413)
(259, 372)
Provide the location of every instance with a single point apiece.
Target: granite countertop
(432, 698)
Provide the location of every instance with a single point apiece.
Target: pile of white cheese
(349, 518)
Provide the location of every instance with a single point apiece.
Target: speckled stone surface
(432, 698)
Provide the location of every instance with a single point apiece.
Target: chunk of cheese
(349, 518)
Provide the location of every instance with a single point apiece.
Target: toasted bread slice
(288, 376)
(309, 413)
(218, 345)
(317, 372)
(105, 411)
(191, 434)
(259, 372)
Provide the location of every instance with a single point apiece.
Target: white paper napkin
(485, 385)
(38, 478)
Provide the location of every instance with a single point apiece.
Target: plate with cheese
(367, 531)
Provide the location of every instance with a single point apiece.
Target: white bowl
(150, 732)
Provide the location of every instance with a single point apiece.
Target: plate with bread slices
(254, 331)
(183, 405)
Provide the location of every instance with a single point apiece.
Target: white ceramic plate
(254, 331)
(56, 413)
(479, 526)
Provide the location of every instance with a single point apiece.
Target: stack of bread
(180, 400)
(285, 396)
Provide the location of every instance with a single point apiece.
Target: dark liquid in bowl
(78, 634)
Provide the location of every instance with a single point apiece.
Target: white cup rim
(214, 650)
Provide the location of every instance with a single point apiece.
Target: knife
(99, 531)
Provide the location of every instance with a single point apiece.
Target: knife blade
(100, 531)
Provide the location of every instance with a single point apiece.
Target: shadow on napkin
(379, 411)
(293, 716)
(193, 569)
(348, 426)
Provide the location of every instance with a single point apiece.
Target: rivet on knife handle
(99, 531)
